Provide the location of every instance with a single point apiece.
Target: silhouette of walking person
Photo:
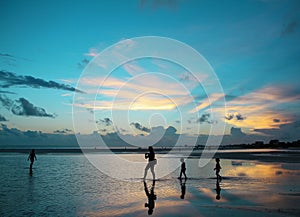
(151, 162)
(183, 169)
(151, 197)
(218, 168)
(183, 189)
(218, 190)
(31, 157)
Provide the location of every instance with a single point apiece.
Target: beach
(67, 184)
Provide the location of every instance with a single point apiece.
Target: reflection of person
(183, 168)
(151, 197)
(151, 162)
(32, 157)
(218, 168)
(183, 189)
(218, 190)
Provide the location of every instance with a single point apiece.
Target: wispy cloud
(208, 102)
(260, 108)
(9, 79)
(141, 93)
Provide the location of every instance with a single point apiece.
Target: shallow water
(69, 185)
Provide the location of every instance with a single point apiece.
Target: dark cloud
(285, 132)
(9, 131)
(23, 107)
(6, 102)
(238, 116)
(204, 119)
(289, 28)
(64, 131)
(140, 127)
(83, 63)
(9, 79)
(275, 120)
(2, 118)
(105, 121)
(229, 117)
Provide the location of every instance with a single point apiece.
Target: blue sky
(253, 47)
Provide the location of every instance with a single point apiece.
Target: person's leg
(152, 171)
(180, 175)
(31, 165)
(146, 170)
(184, 174)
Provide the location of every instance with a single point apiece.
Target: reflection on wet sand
(218, 190)
(248, 188)
(151, 197)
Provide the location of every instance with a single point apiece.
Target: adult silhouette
(31, 157)
(151, 162)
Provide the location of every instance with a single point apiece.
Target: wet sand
(257, 183)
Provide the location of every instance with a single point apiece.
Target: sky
(248, 88)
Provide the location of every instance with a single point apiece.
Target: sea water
(69, 185)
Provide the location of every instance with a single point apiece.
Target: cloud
(32, 134)
(9, 79)
(204, 118)
(261, 107)
(64, 131)
(140, 127)
(285, 132)
(23, 107)
(106, 121)
(6, 102)
(289, 28)
(236, 131)
(6, 55)
(229, 117)
(9, 131)
(141, 93)
(238, 116)
(83, 63)
(2, 118)
(208, 102)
